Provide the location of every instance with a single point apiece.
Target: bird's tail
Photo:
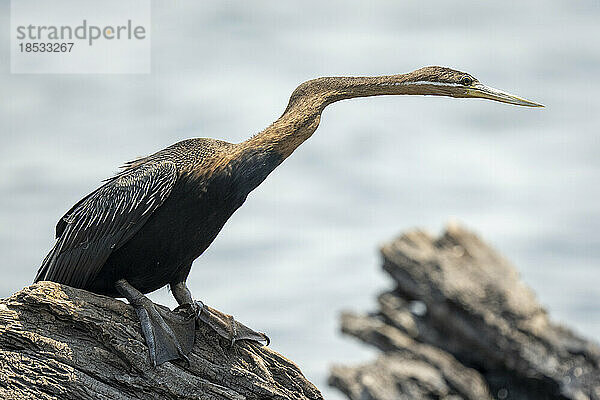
(42, 273)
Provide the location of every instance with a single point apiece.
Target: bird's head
(448, 82)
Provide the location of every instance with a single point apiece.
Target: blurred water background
(304, 246)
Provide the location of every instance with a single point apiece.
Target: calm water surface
(304, 247)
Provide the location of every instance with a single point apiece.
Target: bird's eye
(466, 80)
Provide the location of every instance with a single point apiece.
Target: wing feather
(105, 220)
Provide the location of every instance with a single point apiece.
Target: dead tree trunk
(462, 325)
(57, 342)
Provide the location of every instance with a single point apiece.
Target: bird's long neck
(302, 115)
(258, 156)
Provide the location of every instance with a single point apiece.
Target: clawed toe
(265, 338)
(190, 310)
(227, 327)
(223, 324)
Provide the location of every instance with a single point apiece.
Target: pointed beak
(478, 90)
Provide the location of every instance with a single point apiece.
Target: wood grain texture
(57, 342)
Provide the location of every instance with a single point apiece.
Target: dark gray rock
(460, 312)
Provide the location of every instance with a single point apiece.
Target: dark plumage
(144, 227)
(148, 223)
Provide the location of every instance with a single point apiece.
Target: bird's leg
(225, 325)
(163, 342)
(183, 296)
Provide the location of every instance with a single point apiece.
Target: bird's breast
(252, 168)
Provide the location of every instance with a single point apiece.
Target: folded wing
(105, 220)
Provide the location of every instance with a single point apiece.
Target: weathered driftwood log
(461, 325)
(57, 342)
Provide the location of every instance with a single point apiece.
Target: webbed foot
(162, 330)
(224, 324)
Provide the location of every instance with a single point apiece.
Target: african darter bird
(143, 228)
